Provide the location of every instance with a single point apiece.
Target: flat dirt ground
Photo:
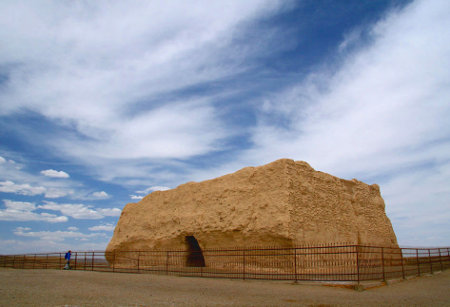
(79, 288)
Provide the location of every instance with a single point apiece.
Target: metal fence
(343, 263)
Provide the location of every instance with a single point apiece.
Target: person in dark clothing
(67, 257)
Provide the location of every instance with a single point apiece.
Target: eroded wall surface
(283, 203)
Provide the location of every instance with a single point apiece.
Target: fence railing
(346, 263)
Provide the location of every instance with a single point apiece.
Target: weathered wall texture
(283, 203)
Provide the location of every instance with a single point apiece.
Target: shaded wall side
(329, 209)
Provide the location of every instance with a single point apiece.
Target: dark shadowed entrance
(195, 254)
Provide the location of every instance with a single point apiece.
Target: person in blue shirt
(67, 257)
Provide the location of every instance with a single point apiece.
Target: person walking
(67, 257)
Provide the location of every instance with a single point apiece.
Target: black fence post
(76, 260)
(403, 267)
(382, 263)
(85, 260)
(448, 254)
(167, 262)
(243, 264)
(440, 259)
(138, 261)
(418, 263)
(92, 261)
(431, 263)
(114, 261)
(295, 265)
(357, 264)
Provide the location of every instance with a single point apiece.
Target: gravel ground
(79, 288)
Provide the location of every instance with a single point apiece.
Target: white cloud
(55, 174)
(110, 211)
(136, 197)
(152, 189)
(11, 164)
(57, 193)
(29, 190)
(72, 228)
(76, 211)
(80, 211)
(386, 107)
(101, 195)
(22, 189)
(25, 211)
(105, 227)
(186, 44)
(147, 191)
(351, 38)
(36, 245)
(19, 181)
(418, 205)
(53, 236)
(19, 205)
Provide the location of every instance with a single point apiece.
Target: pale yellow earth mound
(284, 203)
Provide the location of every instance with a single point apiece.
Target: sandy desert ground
(81, 288)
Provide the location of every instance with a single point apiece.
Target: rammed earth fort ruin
(284, 203)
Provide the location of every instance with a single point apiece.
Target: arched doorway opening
(195, 255)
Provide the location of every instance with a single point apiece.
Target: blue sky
(104, 102)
